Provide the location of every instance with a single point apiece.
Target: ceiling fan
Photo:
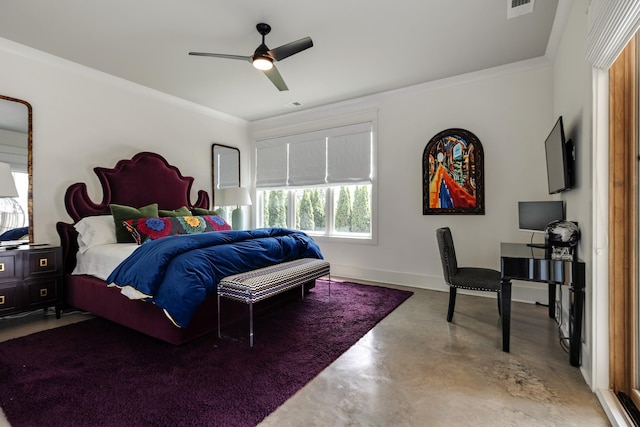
(263, 58)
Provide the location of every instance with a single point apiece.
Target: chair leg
(499, 303)
(452, 302)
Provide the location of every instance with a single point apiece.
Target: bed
(144, 180)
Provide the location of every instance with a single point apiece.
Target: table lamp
(236, 196)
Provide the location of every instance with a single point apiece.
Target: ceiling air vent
(519, 7)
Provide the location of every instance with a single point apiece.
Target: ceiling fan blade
(274, 75)
(286, 50)
(221, 55)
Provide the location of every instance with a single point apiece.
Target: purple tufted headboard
(146, 178)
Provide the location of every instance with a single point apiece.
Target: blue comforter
(177, 273)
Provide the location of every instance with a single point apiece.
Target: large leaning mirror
(16, 213)
(225, 169)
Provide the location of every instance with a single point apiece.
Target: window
(319, 182)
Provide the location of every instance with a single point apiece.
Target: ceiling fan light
(263, 63)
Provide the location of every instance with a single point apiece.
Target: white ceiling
(361, 47)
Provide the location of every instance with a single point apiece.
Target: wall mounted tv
(560, 159)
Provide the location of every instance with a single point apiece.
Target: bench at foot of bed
(256, 285)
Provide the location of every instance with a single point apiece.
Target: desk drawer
(538, 270)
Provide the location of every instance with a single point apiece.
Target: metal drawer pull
(43, 292)
(1, 299)
(43, 262)
(1, 266)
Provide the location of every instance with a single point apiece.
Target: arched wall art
(453, 174)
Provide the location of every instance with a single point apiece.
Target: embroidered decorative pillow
(143, 229)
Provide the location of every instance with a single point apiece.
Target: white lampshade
(236, 196)
(7, 184)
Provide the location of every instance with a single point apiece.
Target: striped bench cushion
(262, 283)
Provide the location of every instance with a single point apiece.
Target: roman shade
(272, 161)
(611, 26)
(340, 155)
(307, 162)
(349, 157)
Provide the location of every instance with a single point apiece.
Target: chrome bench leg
(251, 324)
(219, 334)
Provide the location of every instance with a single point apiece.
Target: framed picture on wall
(453, 174)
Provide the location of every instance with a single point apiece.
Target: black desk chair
(472, 278)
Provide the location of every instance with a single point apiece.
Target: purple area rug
(97, 373)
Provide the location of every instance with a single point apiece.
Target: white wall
(510, 110)
(581, 93)
(83, 118)
(572, 99)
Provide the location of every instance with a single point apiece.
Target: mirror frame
(213, 170)
(29, 160)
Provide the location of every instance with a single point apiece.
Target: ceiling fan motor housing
(263, 29)
(262, 52)
(263, 57)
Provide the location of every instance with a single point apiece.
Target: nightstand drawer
(45, 261)
(30, 278)
(43, 291)
(8, 298)
(8, 268)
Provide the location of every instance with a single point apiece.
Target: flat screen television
(560, 158)
(534, 216)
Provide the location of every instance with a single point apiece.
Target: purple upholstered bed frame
(146, 178)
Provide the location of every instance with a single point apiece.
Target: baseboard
(526, 292)
(613, 409)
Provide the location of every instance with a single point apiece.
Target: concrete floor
(415, 369)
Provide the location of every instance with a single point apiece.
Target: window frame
(313, 126)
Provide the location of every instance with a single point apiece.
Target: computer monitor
(534, 216)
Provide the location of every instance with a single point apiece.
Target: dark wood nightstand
(30, 278)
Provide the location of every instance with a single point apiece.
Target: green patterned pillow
(183, 211)
(122, 213)
(202, 212)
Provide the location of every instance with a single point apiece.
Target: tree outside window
(275, 210)
(350, 213)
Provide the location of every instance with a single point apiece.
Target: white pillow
(94, 231)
